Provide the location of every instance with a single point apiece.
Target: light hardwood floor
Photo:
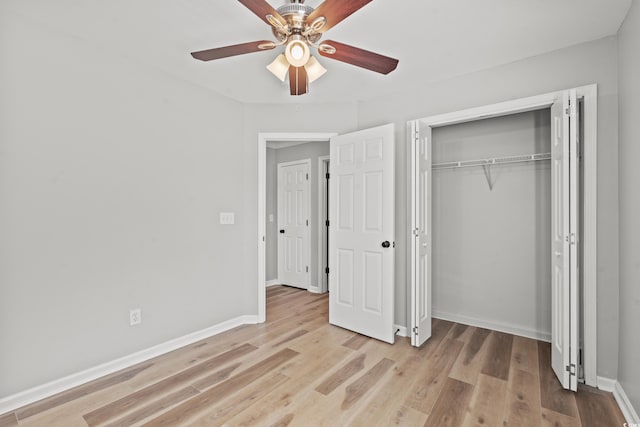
(296, 369)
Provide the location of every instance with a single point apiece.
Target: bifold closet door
(420, 239)
(564, 239)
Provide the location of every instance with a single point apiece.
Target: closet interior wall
(492, 226)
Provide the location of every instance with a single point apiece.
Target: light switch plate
(227, 218)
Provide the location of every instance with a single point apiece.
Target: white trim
(321, 199)
(589, 238)
(18, 400)
(263, 138)
(606, 384)
(629, 412)
(273, 282)
(589, 94)
(402, 331)
(495, 326)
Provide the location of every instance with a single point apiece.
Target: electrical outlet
(135, 316)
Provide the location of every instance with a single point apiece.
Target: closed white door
(293, 223)
(362, 232)
(420, 239)
(564, 240)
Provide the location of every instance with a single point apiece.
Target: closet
(491, 222)
(503, 223)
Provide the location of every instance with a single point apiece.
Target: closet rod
(493, 161)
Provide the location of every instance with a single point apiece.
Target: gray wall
(310, 150)
(112, 177)
(492, 247)
(629, 72)
(594, 62)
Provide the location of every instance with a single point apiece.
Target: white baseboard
(606, 384)
(402, 330)
(496, 326)
(18, 400)
(625, 405)
(272, 282)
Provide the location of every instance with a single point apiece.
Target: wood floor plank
(554, 419)
(8, 420)
(524, 354)
(292, 336)
(553, 396)
(498, 358)
(487, 402)
(216, 377)
(343, 374)
(597, 408)
(281, 402)
(146, 394)
(356, 341)
(359, 387)
(81, 391)
(452, 404)
(155, 407)
(469, 363)
(430, 381)
(218, 414)
(190, 408)
(523, 400)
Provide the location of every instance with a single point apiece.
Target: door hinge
(327, 175)
(307, 223)
(570, 238)
(307, 177)
(326, 270)
(415, 330)
(416, 232)
(326, 223)
(571, 369)
(307, 269)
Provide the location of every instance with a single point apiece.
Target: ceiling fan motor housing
(295, 13)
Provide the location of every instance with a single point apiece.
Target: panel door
(564, 226)
(362, 232)
(293, 224)
(420, 239)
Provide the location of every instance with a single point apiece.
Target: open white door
(362, 232)
(293, 223)
(420, 240)
(564, 226)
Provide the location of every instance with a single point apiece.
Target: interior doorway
(267, 219)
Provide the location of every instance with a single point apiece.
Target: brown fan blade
(298, 81)
(335, 11)
(236, 49)
(261, 8)
(360, 57)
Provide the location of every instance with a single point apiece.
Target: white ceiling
(433, 39)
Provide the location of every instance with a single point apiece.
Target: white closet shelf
(493, 161)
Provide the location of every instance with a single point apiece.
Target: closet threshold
(493, 161)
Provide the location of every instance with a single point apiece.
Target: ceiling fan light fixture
(314, 69)
(279, 67)
(297, 52)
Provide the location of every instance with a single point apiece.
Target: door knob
(282, 231)
(386, 244)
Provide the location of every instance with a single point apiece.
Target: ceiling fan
(300, 27)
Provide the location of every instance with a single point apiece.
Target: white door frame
(307, 237)
(322, 198)
(589, 94)
(263, 138)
